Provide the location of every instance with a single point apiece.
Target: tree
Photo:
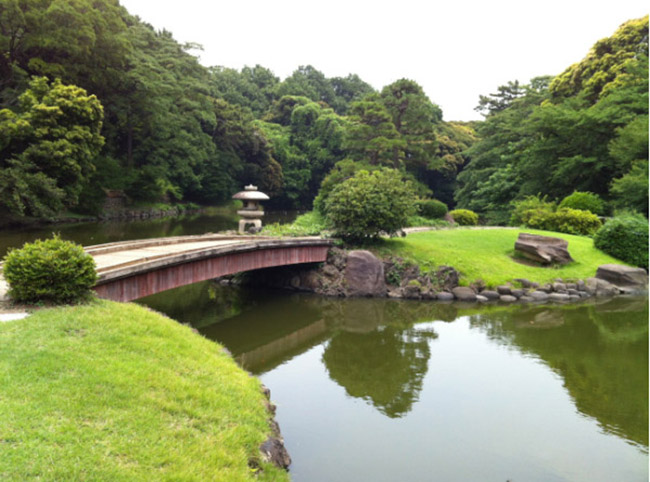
(347, 90)
(370, 203)
(372, 136)
(48, 147)
(414, 116)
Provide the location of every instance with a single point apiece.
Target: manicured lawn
(487, 254)
(116, 392)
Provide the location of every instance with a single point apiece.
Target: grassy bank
(487, 254)
(115, 392)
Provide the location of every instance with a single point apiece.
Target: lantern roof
(250, 193)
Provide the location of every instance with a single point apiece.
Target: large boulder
(543, 249)
(626, 278)
(600, 287)
(364, 274)
(463, 293)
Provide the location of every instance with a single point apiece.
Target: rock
(545, 250)
(538, 295)
(574, 297)
(572, 292)
(583, 294)
(447, 277)
(429, 295)
(559, 287)
(481, 299)
(508, 298)
(274, 451)
(526, 298)
(330, 271)
(580, 285)
(396, 293)
(445, 296)
(336, 257)
(600, 287)
(559, 297)
(504, 290)
(364, 274)
(571, 286)
(636, 279)
(411, 291)
(517, 293)
(547, 288)
(464, 293)
(310, 281)
(295, 282)
(490, 295)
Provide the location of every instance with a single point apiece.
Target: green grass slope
(116, 392)
(487, 254)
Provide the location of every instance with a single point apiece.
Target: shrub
(585, 201)
(308, 224)
(464, 217)
(625, 237)
(574, 221)
(432, 208)
(53, 271)
(370, 203)
(521, 209)
(570, 221)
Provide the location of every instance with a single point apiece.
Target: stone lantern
(252, 212)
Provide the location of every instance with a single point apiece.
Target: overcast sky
(456, 50)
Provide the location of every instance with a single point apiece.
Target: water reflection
(380, 351)
(599, 349)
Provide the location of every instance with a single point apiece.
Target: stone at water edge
(490, 294)
(364, 274)
(600, 287)
(623, 276)
(508, 298)
(464, 293)
(543, 249)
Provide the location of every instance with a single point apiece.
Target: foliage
(418, 221)
(573, 221)
(487, 254)
(631, 190)
(522, 210)
(432, 208)
(625, 237)
(370, 203)
(47, 146)
(586, 201)
(464, 217)
(171, 394)
(53, 270)
(311, 223)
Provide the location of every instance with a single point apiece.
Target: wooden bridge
(133, 269)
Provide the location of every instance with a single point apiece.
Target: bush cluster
(538, 213)
(53, 271)
(370, 203)
(464, 217)
(585, 201)
(626, 238)
(432, 208)
(570, 221)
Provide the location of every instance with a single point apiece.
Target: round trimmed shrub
(585, 201)
(464, 217)
(574, 221)
(54, 271)
(370, 203)
(432, 208)
(626, 238)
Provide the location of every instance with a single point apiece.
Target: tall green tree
(47, 147)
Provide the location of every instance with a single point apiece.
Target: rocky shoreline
(360, 273)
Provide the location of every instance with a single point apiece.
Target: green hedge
(570, 221)
(464, 217)
(432, 208)
(585, 201)
(53, 271)
(626, 238)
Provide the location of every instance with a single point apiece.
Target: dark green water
(110, 231)
(387, 390)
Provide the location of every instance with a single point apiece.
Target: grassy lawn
(487, 254)
(115, 392)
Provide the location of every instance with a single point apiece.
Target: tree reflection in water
(377, 355)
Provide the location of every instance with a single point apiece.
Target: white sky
(456, 50)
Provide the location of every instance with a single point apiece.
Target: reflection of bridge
(133, 269)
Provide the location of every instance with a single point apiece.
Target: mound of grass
(116, 392)
(488, 254)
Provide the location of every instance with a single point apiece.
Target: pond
(386, 390)
(90, 233)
